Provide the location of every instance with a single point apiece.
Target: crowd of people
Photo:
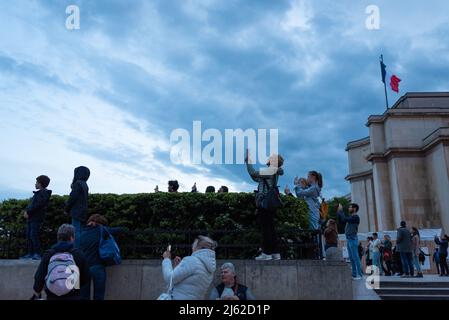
(79, 244)
(173, 186)
(404, 259)
(75, 262)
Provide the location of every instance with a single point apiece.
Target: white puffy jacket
(192, 277)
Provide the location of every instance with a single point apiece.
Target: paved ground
(361, 292)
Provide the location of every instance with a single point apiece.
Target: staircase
(431, 287)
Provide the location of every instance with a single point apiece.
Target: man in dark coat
(404, 247)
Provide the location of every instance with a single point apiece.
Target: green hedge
(142, 214)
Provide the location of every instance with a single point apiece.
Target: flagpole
(383, 79)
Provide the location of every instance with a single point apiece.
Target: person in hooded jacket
(35, 214)
(267, 178)
(192, 276)
(76, 206)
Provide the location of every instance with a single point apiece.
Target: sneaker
(405, 276)
(264, 257)
(276, 256)
(419, 275)
(26, 257)
(37, 257)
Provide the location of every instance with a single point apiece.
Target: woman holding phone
(267, 178)
(191, 277)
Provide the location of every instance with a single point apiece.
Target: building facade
(401, 170)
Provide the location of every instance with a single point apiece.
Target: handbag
(167, 295)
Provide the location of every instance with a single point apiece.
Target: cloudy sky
(109, 94)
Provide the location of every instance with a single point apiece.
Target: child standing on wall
(35, 214)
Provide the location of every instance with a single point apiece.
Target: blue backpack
(108, 249)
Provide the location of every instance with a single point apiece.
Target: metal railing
(294, 243)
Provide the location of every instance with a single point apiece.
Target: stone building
(401, 170)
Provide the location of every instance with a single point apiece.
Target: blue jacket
(436, 257)
(38, 206)
(310, 196)
(77, 203)
(352, 224)
(90, 243)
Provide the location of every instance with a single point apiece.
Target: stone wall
(142, 279)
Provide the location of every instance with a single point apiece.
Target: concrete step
(413, 297)
(418, 282)
(413, 291)
(429, 287)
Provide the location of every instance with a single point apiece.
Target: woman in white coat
(192, 276)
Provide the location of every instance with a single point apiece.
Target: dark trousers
(98, 277)
(388, 267)
(78, 225)
(443, 264)
(33, 229)
(407, 263)
(437, 264)
(270, 242)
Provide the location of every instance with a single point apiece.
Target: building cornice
(359, 176)
(357, 143)
(439, 136)
(398, 108)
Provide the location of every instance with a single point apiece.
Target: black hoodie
(38, 206)
(77, 203)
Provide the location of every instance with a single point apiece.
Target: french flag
(394, 80)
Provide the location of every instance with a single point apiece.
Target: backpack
(271, 200)
(108, 248)
(63, 274)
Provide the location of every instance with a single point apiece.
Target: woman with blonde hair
(190, 278)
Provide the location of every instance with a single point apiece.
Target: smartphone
(169, 248)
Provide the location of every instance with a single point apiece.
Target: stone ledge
(142, 279)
